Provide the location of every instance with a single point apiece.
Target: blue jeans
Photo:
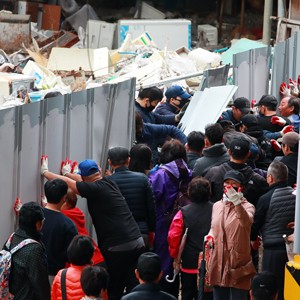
(229, 293)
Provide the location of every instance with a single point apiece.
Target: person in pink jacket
(80, 253)
(230, 268)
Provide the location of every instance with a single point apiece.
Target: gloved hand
(232, 195)
(17, 206)
(278, 120)
(284, 90)
(286, 129)
(66, 168)
(74, 168)
(44, 201)
(209, 240)
(179, 116)
(294, 87)
(255, 244)
(44, 164)
(276, 146)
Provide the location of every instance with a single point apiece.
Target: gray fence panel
(8, 156)
(291, 56)
(122, 115)
(102, 106)
(30, 152)
(80, 126)
(297, 57)
(72, 125)
(261, 73)
(278, 68)
(241, 73)
(54, 137)
(251, 73)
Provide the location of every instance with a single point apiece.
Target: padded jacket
(137, 191)
(73, 286)
(230, 263)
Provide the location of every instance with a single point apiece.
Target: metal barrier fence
(286, 62)
(79, 125)
(251, 71)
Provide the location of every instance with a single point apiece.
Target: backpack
(182, 198)
(5, 265)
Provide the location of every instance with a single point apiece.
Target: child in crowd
(94, 282)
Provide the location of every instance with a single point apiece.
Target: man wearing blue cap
(119, 237)
(176, 99)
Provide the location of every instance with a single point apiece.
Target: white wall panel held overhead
(9, 167)
(29, 152)
(208, 108)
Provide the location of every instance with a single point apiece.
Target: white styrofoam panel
(209, 106)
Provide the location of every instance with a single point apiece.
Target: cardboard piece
(88, 60)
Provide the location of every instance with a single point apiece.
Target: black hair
(29, 214)
(140, 158)
(93, 280)
(52, 94)
(81, 250)
(199, 190)
(171, 150)
(293, 101)
(54, 190)
(149, 266)
(153, 93)
(195, 140)
(214, 133)
(118, 155)
(264, 286)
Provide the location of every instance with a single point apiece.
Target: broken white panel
(170, 34)
(99, 34)
(89, 60)
(149, 12)
(145, 75)
(208, 108)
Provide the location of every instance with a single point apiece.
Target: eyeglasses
(178, 99)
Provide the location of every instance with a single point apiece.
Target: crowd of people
(165, 205)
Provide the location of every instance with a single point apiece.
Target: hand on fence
(44, 164)
(284, 90)
(44, 201)
(17, 205)
(278, 120)
(66, 167)
(74, 168)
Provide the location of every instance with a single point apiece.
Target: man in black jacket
(214, 153)
(275, 209)
(149, 273)
(119, 237)
(239, 152)
(136, 189)
(29, 272)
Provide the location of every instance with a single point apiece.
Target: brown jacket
(230, 264)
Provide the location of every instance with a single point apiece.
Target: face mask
(150, 108)
(182, 103)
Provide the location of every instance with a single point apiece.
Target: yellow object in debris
(292, 279)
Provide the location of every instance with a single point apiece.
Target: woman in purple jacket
(166, 181)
